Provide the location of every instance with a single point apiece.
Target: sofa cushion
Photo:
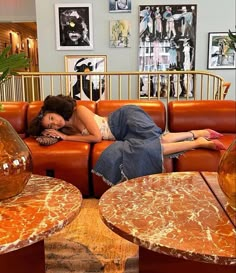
(99, 186)
(16, 113)
(67, 160)
(193, 115)
(219, 115)
(156, 109)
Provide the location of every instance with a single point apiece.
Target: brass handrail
(164, 85)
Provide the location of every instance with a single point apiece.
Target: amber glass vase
(15, 161)
(227, 174)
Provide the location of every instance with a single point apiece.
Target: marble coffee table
(176, 220)
(45, 206)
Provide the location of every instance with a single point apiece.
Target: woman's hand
(54, 133)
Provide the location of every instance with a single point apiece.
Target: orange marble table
(45, 206)
(176, 220)
(211, 179)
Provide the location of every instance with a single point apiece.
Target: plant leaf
(9, 64)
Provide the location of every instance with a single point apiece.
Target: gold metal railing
(164, 85)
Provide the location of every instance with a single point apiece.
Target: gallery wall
(212, 16)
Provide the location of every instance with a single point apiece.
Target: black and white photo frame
(119, 5)
(74, 26)
(86, 86)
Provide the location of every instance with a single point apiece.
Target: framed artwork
(221, 52)
(120, 33)
(86, 87)
(167, 41)
(74, 29)
(119, 5)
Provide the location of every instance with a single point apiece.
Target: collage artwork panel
(167, 40)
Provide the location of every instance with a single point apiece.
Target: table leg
(25, 260)
(153, 262)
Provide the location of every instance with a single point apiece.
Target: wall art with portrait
(119, 5)
(221, 51)
(167, 41)
(86, 87)
(120, 33)
(74, 26)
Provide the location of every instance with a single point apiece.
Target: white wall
(17, 11)
(212, 16)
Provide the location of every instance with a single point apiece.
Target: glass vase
(227, 174)
(15, 161)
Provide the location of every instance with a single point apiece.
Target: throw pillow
(46, 140)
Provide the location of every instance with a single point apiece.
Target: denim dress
(137, 150)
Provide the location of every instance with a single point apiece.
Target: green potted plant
(9, 63)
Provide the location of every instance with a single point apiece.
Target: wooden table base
(29, 259)
(153, 262)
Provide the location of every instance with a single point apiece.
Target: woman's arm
(74, 137)
(82, 138)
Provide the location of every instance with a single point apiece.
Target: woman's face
(53, 121)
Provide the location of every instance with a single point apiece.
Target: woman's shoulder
(82, 110)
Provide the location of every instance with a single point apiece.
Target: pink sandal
(218, 145)
(213, 134)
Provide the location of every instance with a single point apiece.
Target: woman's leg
(181, 146)
(174, 137)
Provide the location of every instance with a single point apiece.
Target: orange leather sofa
(73, 161)
(189, 115)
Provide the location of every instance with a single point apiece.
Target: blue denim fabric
(137, 151)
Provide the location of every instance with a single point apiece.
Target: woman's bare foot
(202, 142)
(206, 133)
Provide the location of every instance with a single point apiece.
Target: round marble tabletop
(45, 206)
(171, 213)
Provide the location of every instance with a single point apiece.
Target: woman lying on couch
(140, 144)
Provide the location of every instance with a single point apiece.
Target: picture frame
(221, 54)
(167, 42)
(74, 26)
(120, 33)
(119, 6)
(87, 87)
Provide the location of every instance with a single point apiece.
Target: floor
(87, 245)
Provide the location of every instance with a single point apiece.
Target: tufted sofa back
(156, 109)
(219, 115)
(35, 106)
(16, 114)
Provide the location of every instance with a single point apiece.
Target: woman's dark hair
(60, 104)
